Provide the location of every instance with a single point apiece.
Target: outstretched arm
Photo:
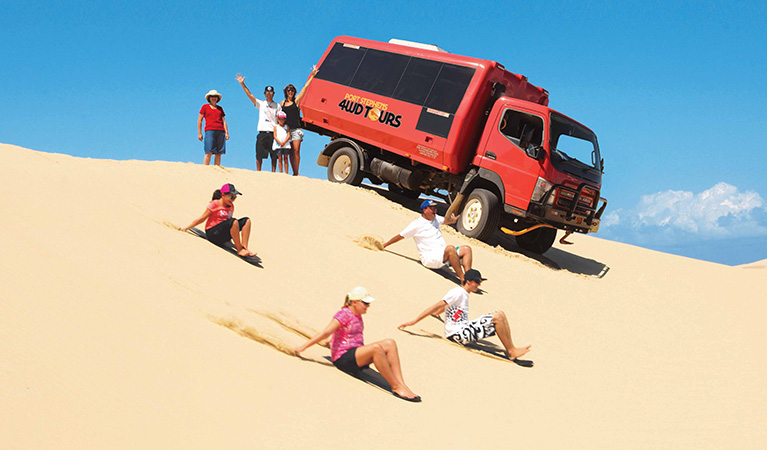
(393, 240)
(199, 220)
(437, 308)
(324, 334)
(241, 80)
(303, 89)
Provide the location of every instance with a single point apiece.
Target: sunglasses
(231, 196)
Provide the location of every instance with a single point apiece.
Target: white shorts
(296, 135)
(434, 260)
(474, 330)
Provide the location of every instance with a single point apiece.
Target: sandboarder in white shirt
(461, 330)
(432, 249)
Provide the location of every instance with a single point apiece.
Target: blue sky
(674, 90)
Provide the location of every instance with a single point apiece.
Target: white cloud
(721, 211)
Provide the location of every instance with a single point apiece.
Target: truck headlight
(542, 186)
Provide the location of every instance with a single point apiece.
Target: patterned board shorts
(475, 330)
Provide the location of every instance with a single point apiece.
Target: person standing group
(269, 126)
(216, 130)
(292, 108)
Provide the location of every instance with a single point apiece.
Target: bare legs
(385, 356)
(503, 331)
(295, 156)
(283, 163)
(241, 245)
(258, 164)
(216, 161)
(457, 258)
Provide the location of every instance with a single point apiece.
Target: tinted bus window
(379, 72)
(449, 88)
(341, 64)
(417, 81)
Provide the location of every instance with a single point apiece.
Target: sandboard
(254, 260)
(481, 347)
(371, 377)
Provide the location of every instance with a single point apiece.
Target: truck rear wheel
(480, 215)
(537, 241)
(393, 188)
(344, 167)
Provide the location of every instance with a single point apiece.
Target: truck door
(503, 154)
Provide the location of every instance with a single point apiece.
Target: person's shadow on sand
(370, 376)
(482, 347)
(444, 271)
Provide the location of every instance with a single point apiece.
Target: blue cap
(427, 203)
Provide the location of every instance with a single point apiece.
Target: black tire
(537, 241)
(393, 188)
(344, 167)
(480, 216)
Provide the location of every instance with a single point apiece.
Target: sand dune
(119, 331)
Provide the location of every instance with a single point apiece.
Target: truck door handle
(491, 155)
(429, 139)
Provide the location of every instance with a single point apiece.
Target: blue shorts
(215, 142)
(284, 151)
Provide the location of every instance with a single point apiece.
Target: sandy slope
(118, 331)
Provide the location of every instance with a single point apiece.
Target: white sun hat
(361, 294)
(212, 92)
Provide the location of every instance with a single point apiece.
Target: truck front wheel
(480, 216)
(537, 241)
(344, 167)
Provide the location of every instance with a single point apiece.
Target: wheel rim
(472, 214)
(342, 167)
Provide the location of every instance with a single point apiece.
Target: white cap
(361, 294)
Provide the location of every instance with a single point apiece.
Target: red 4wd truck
(463, 129)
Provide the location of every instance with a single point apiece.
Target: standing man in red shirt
(216, 131)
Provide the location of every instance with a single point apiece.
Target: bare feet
(405, 393)
(246, 252)
(516, 352)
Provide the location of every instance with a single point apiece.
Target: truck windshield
(574, 148)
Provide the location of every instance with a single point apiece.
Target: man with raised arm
(458, 327)
(267, 120)
(432, 249)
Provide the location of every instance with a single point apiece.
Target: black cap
(473, 275)
(268, 89)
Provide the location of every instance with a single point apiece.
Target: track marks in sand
(270, 339)
(370, 242)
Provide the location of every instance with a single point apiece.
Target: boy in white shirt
(461, 330)
(432, 249)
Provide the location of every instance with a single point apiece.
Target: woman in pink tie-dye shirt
(349, 352)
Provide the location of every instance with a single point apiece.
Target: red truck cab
(460, 128)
